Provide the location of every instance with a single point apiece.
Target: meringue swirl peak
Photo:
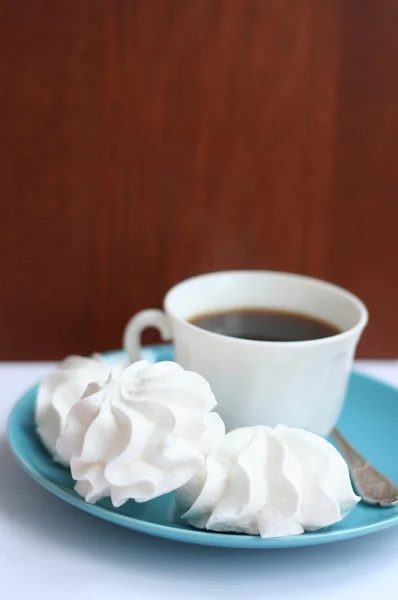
(269, 482)
(142, 433)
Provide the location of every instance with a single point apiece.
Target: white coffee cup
(298, 384)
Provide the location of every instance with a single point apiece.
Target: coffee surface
(269, 325)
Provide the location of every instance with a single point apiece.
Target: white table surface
(49, 549)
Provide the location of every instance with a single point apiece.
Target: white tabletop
(49, 549)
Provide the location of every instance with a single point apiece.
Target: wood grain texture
(144, 142)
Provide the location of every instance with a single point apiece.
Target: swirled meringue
(269, 482)
(144, 433)
(61, 390)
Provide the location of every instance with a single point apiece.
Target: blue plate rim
(188, 534)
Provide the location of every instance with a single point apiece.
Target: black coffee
(268, 325)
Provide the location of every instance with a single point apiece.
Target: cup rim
(360, 325)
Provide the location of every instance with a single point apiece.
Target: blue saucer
(369, 420)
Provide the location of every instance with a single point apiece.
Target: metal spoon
(370, 484)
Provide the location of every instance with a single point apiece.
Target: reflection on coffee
(268, 325)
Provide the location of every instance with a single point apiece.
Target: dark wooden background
(146, 141)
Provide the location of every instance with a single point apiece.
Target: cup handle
(140, 321)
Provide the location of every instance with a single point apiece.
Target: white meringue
(144, 433)
(61, 390)
(269, 482)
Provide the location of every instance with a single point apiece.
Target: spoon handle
(353, 458)
(369, 483)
